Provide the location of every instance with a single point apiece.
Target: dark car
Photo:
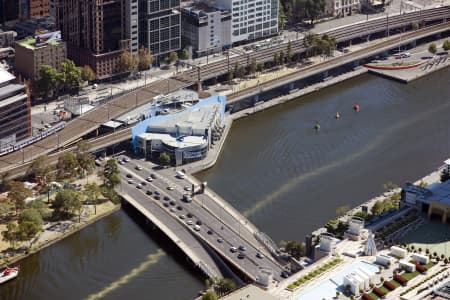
(129, 176)
(153, 176)
(149, 192)
(210, 231)
(241, 255)
(199, 222)
(144, 183)
(166, 204)
(242, 248)
(285, 274)
(157, 197)
(172, 202)
(179, 207)
(157, 193)
(166, 198)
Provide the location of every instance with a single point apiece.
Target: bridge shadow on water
(172, 250)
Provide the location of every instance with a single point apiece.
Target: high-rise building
(96, 32)
(251, 19)
(159, 26)
(38, 8)
(9, 10)
(14, 110)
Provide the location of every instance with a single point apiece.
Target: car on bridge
(233, 249)
(149, 179)
(137, 167)
(241, 255)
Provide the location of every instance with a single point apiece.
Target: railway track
(320, 67)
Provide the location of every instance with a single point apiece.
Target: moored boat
(8, 274)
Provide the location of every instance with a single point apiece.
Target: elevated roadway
(332, 63)
(92, 120)
(218, 230)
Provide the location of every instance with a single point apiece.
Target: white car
(197, 228)
(189, 222)
(233, 249)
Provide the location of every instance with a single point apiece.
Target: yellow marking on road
(151, 260)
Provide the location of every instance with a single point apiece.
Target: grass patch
(395, 283)
(384, 289)
(311, 275)
(409, 276)
(374, 296)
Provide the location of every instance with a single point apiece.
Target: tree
(240, 72)
(210, 295)
(38, 168)
(111, 174)
(71, 75)
(127, 62)
(282, 57)
(252, 67)
(230, 76)
(276, 58)
(224, 286)
(282, 19)
(173, 57)
(313, 9)
(289, 52)
(446, 45)
(295, 248)
(164, 158)
(85, 159)
(17, 193)
(41, 208)
(414, 25)
(341, 210)
(185, 53)
(377, 208)
(432, 48)
(67, 203)
(87, 74)
(30, 223)
(145, 59)
(67, 166)
(92, 192)
(11, 234)
(5, 209)
(48, 80)
(260, 67)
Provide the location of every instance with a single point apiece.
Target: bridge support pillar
(96, 132)
(291, 86)
(199, 86)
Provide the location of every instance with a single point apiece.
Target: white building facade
(251, 19)
(341, 8)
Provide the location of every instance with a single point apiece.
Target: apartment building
(38, 8)
(96, 32)
(33, 52)
(251, 19)
(159, 26)
(207, 29)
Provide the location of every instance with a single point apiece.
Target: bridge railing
(270, 245)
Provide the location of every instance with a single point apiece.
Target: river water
(286, 177)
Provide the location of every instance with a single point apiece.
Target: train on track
(28, 141)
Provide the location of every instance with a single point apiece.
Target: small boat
(8, 274)
(317, 126)
(356, 107)
(337, 115)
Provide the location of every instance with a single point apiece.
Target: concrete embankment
(299, 93)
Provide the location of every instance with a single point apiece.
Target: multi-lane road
(220, 231)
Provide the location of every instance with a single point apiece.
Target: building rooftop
(249, 292)
(5, 77)
(200, 9)
(439, 192)
(187, 141)
(41, 41)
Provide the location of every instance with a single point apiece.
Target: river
(286, 177)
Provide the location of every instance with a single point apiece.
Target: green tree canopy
(210, 295)
(31, 215)
(17, 193)
(111, 174)
(282, 19)
(313, 9)
(71, 75)
(87, 74)
(48, 80)
(92, 192)
(67, 203)
(185, 53)
(252, 67)
(446, 45)
(11, 234)
(173, 57)
(41, 208)
(377, 208)
(295, 248)
(145, 59)
(432, 48)
(164, 158)
(127, 62)
(260, 67)
(86, 160)
(67, 166)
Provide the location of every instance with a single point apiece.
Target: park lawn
(409, 276)
(384, 289)
(395, 283)
(374, 296)
(429, 265)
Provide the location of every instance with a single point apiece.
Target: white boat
(8, 274)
